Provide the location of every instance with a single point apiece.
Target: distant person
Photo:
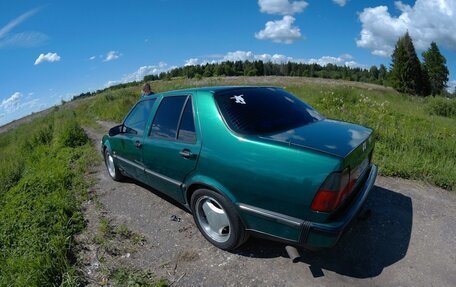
(146, 90)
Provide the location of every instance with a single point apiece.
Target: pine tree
(382, 74)
(374, 74)
(435, 66)
(406, 76)
(425, 82)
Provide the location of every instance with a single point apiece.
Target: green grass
(411, 142)
(43, 164)
(416, 137)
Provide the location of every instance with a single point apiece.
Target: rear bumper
(296, 231)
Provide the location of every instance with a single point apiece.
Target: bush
(71, 135)
(10, 170)
(442, 107)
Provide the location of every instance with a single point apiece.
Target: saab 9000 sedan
(247, 160)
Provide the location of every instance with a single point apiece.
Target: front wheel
(217, 219)
(113, 170)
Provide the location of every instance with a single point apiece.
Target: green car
(247, 161)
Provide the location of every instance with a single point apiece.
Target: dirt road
(409, 240)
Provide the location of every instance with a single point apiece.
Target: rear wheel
(217, 219)
(113, 170)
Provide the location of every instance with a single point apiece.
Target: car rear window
(263, 110)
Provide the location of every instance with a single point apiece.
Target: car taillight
(333, 192)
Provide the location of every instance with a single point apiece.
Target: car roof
(212, 90)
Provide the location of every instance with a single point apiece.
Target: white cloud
(280, 31)
(426, 21)
(12, 103)
(451, 86)
(339, 61)
(49, 57)
(112, 55)
(191, 62)
(11, 25)
(343, 60)
(347, 56)
(22, 39)
(249, 56)
(92, 58)
(341, 3)
(139, 74)
(111, 83)
(30, 104)
(282, 7)
(238, 56)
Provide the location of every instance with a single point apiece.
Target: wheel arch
(105, 145)
(207, 183)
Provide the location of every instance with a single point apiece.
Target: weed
(39, 206)
(442, 107)
(123, 231)
(125, 276)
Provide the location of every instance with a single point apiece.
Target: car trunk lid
(352, 143)
(327, 136)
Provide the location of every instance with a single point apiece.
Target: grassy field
(416, 137)
(43, 162)
(41, 187)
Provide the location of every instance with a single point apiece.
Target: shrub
(442, 107)
(10, 170)
(71, 135)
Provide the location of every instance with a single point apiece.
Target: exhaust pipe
(293, 253)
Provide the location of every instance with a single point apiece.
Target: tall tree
(374, 73)
(435, 66)
(382, 74)
(406, 76)
(425, 82)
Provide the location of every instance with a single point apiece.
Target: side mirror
(116, 130)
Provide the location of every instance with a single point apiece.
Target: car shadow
(370, 245)
(157, 193)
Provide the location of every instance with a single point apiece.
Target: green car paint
(271, 178)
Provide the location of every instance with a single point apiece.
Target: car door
(171, 149)
(127, 146)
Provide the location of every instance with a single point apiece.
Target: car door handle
(185, 153)
(138, 144)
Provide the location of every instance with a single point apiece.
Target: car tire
(217, 219)
(113, 170)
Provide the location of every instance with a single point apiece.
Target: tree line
(406, 73)
(373, 75)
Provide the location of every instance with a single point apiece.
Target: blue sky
(53, 50)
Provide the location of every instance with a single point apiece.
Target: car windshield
(257, 111)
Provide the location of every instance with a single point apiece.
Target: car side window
(187, 125)
(166, 119)
(137, 119)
